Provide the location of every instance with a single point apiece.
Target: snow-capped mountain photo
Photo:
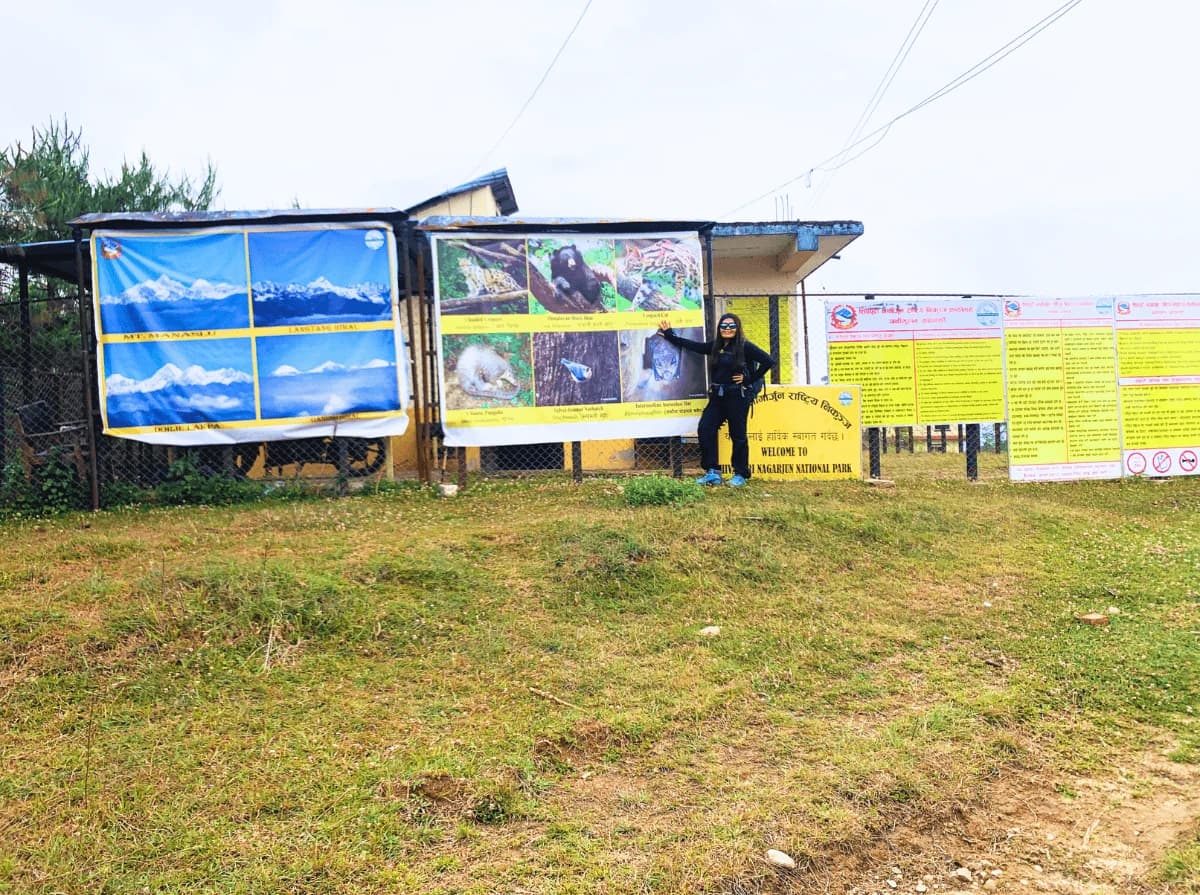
(188, 381)
(304, 277)
(203, 288)
(299, 378)
(167, 305)
(321, 301)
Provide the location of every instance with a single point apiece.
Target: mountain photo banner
(237, 334)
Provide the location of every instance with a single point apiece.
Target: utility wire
(537, 87)
(889, 75)
(970, 74)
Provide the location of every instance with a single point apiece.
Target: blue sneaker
(712, 477)
(736, 481)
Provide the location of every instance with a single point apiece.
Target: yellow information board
(919, 362)
(803, 432)
(1158, 344)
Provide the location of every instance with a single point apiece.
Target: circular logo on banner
(1161, 461)
(110, 249)
(1136, 463)
(988, 313)
(1124, 308)
(843, 317)
(1012, 309)
(1187, 461)
(845, 399)
(373, 240)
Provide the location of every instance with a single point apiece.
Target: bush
(187, 483)
(657, 490)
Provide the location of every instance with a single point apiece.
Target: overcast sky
(1068, 168)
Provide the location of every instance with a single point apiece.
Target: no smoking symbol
(1187, 461)
(1161, 461)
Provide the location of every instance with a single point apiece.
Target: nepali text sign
(1060, 376)
(919, 362)
(1158, 364)
(803, 432)
(233, 334)
(546, 337)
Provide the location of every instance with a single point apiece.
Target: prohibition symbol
(1161, 461)
(1136, 463)
(1187, 461)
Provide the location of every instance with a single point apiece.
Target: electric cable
(969, 75)
(537, 87)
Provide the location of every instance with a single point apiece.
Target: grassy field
(509, 691)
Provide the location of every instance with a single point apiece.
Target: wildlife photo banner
(546, 337)
(235, 334)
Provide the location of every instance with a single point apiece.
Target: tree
(48, 183)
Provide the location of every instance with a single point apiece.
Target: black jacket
(758, 362)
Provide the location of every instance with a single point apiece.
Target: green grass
(508, 690)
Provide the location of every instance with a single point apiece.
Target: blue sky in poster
(172, 283)
(344, 257)
(318, 375)
(178, 381)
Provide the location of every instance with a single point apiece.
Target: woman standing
(734, 366)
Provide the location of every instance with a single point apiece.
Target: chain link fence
(49, 449)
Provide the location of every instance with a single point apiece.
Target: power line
(889, 75)
(537, 87)
(950, 86)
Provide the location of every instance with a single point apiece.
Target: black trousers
(731, 408)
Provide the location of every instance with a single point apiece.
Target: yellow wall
(480, 202)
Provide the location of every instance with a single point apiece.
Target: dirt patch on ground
(1029, 833)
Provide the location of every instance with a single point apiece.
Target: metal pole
(419, 411)
(86, 341)
(873, 452)
(577, 461)
(675, 455)
(973, 452)
(804, 318)
(26, 335)
(773, 327)
(709, 310)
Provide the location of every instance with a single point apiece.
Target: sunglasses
(727, 326)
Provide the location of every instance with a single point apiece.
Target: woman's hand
(738, 378)
(664, 325)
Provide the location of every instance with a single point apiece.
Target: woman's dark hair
(738, 343)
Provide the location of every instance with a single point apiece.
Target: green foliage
(53, 488)
(657, 490)
(187, 483)
(47, 182)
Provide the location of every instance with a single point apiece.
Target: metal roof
(558, 224)
(140, 220)
(502, 192)
(52, 259)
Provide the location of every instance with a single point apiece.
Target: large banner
(237, 334)
(803, 432)
(551, 337)
(1061, 380)
(1158, 358)
(919, 362)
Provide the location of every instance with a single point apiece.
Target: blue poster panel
(239, 334)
